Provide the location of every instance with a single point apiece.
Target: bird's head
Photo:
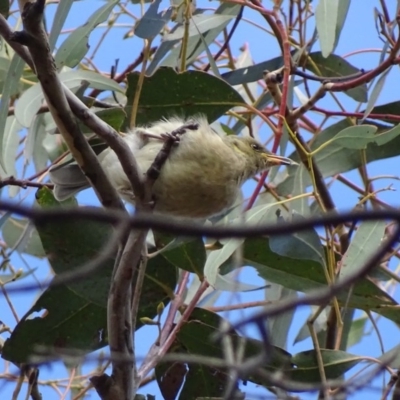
(256, 158)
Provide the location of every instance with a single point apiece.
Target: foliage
(304, 98)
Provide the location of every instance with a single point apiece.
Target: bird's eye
(255, 146)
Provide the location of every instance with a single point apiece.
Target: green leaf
(355, 137)
(335, 159)
(366, 241)
(342, 10)
(304, 275)
(335, 362)
(73, 79)
(357, 331)
(4, 8)
(230, 283)
(326, 14)
(66, 321)
(112, 116)
(35, 132)
(10, 145)
(4, 68)
(304, 245)
(387, 110)
(391, 358)
(189, 256)
(387, 136)
(300, 205)
(279, 325)
(21, 234)
(204, 381)
(216, 258)
(10, 88)
(32, 99)
(335, 66)
(60, 16)
(170, 376)
(200, 23)
(76, 316)
(75, 46)
(195, 45)
(167, 93)
(376, 91)
(319, 326)
(152, 22)
(252, 73)
(196, 336)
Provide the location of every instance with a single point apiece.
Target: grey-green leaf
(150, 25)
(356, 137)
(367, 239)
(335, 66)
(200, 23)
(75, 47)
(326, 14)
(62, 12)
(376, 91)
(10, 88)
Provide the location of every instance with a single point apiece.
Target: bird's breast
(197, 185)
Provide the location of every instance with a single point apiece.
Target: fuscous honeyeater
(200, 178)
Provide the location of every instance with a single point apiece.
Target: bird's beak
(273, 159)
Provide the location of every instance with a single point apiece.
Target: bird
(201, 177)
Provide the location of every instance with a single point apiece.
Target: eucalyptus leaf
(62, 11)
(335, 66)
(32, 99)
(252, 73)
(10, 88)
(376, 91)
(301, 274)
(304, 245)
(35, 133)
(217, 257)
(152, 22)
(300, 205)
(167, 93)
(326, 14)
(69, 244)
(319, 325)
(21, 235)
(334, 159)
(230, 283)
(200, 23)
(335, 362)
(367, 239)
(342, 10)
(389, 111)
(355, 137)
(195, 45)
(75, 46)
(10, 145)
(391, 358)
(4, 8)
(279, 325)
(357, 331)
(256, 215)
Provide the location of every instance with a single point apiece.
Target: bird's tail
(68, 179)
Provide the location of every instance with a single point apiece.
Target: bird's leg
(174, 135)
(146, 135)
(177, 133)
(170, 139)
